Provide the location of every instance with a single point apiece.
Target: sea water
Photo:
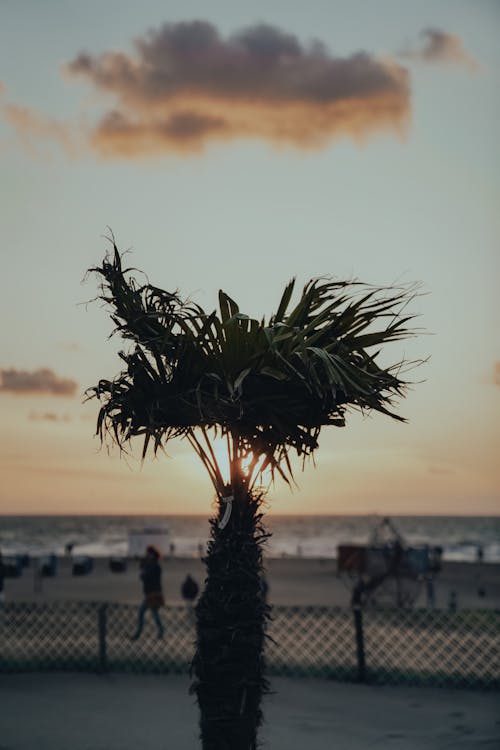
(291, 536)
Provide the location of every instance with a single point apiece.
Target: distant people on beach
(153, 593)
(189, 589)
(481, 591)
(429, 590)
(2, 593)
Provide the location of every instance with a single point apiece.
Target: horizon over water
(293, 535)
(269, 513)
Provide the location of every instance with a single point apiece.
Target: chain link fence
(417, 647)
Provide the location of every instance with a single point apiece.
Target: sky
(234, 146)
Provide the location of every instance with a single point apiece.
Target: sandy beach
(151, 712)
(292, 581)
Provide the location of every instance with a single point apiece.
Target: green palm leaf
(273, 385)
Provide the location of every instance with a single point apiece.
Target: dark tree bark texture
(231, 616)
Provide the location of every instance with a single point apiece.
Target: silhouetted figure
(189, 589)
(481, 591)
(452, 601)
(153, 594)
(2, 593)
(68, 548)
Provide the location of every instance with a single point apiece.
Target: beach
(151, 712)
(292, 581)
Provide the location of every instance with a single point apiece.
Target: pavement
(61, 711)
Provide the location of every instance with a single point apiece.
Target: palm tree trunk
(231, 615)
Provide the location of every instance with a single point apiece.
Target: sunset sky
(236, 145)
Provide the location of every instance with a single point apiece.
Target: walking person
(153, 593)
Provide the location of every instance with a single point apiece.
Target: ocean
(292, 536)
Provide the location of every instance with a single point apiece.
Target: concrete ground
(155, 712)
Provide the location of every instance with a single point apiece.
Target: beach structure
(47, 565)
(387, 571)
(12, 566)
(82, 565)
(117, 564)
(158, 536)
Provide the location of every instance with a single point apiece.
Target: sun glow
(221, 451)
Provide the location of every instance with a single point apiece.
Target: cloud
(441, 47)
(33, 128)
(42, 381)
(49, 416)
(496, 373)
(184, 85)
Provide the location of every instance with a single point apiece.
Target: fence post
(101, 628)
(360, 643)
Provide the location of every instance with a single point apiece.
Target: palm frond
(272, 385)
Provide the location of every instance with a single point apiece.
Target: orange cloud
(48, 416)
(42, 381)
(32, 127)
(442, 47)
(185, 86)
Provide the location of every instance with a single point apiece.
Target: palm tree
(266, 389)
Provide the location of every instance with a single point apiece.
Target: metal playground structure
(387, 572)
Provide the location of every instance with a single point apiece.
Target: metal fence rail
(418, 647)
